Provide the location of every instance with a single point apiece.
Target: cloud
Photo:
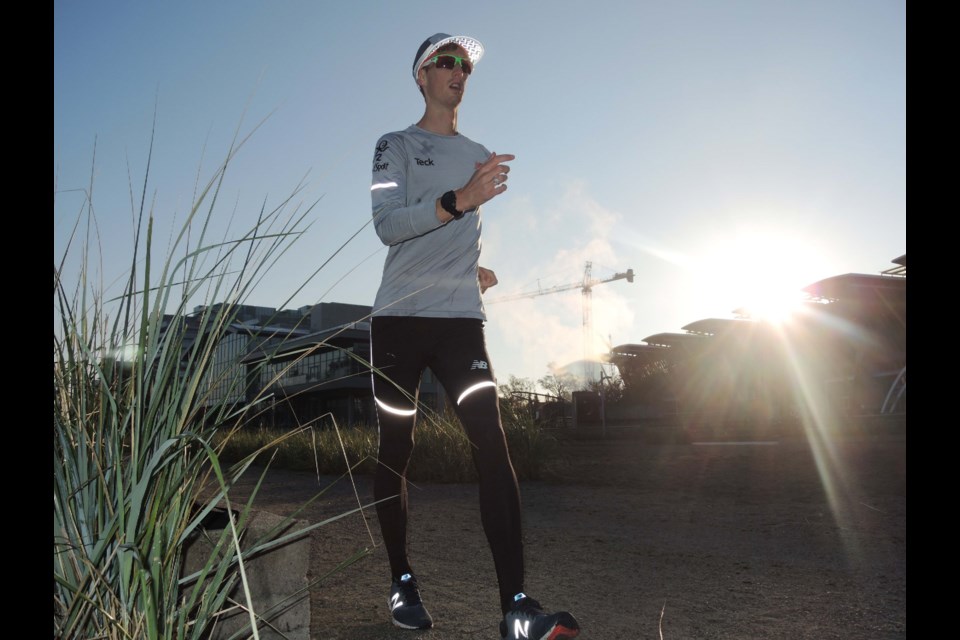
(551, 255)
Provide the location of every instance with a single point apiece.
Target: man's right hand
(488, 181)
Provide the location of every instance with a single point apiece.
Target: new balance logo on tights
(479, 364)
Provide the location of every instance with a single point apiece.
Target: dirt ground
(785, 540)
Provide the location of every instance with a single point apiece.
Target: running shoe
(406, 608)
(526, 620)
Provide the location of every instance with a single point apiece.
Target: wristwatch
(449, 203)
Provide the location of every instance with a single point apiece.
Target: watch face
(449, 202)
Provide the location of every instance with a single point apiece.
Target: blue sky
(725, 151)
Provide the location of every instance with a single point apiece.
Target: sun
(758, 273)
(774, 306)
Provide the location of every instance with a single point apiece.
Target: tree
(517, 399)
(516, 385)
(558, 383)
(612, 387)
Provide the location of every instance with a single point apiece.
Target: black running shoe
(406, 608)
(527, 621)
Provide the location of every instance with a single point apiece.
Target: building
(846, 346)
(291, 368)
(860, 322)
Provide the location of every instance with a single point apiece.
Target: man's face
(445, 85)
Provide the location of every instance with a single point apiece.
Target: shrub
(134, 435)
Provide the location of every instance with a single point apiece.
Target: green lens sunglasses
(449, 61)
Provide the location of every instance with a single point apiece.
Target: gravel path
(691, 541)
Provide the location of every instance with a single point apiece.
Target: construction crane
(586, 287)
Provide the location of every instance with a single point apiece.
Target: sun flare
(758, 273)
(774, 306)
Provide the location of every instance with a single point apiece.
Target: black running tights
(455, 350)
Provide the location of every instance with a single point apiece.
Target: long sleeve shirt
(431, 267)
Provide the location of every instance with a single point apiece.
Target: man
(429, 182)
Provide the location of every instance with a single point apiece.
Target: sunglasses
(449, 61)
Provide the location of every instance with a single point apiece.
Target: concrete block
(277, 580)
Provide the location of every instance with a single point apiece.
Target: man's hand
(489, 180)
(487, 278)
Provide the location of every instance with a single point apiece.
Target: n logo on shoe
(521, 629)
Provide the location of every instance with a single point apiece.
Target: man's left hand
(487, 278)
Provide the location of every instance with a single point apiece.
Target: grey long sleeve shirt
(431, 268)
